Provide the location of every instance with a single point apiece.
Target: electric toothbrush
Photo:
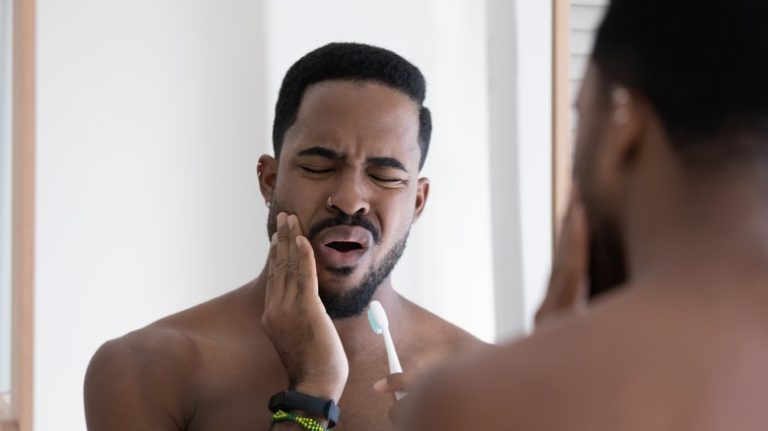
(380, 325)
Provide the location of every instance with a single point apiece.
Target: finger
(574, 289)
(572, 253)
(270, 294)
(392, 383)
(564, 242)
(281, 258)
(292, 276)
(569, 269)
(307, 274)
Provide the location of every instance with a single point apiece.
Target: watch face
(278, 401)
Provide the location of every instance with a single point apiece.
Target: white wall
(534, 107)
(447, 266)
(520, 68)
(150, 116)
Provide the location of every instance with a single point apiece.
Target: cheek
(299, 198)
(584, 156)
(587, 165)
(396, 214)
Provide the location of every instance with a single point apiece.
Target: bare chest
(236, 382)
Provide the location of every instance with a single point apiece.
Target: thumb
(392, 383)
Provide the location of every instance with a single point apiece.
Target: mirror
(150, 121)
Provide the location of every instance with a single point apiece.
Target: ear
(267, 173)
(422, 193)
(628, 116)
(623, 146)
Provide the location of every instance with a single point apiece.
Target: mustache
(345, 220)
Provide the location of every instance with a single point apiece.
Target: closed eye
(316, 170)
(386, 180)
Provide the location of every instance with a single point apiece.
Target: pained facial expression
(607, 264)
(357, 143)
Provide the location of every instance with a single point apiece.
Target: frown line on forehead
(385, 162)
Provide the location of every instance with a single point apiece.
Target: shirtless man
(672, 162)
(350, 137)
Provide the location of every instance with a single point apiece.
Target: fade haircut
(701, 64)
(350, 62)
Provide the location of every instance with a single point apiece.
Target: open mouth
(344, 246)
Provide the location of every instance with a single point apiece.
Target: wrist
(326, 390)
(296, 406)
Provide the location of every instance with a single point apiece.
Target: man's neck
(355, 332)
(713, 235)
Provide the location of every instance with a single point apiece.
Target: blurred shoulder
(575, 363)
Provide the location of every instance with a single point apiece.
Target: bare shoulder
(433, 340)
(598, 371)
(508, 387)
(147, 379)
(141, 380)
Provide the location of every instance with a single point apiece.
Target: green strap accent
(306, 423)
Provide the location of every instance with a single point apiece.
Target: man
(671, 163)
(350, 137)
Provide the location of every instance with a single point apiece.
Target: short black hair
(701, 64)
(355, 62)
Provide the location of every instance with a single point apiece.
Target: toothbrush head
(377, 317)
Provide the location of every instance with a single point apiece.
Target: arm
(296, 322)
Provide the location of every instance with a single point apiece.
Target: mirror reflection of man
(672, 167)
(350, 137)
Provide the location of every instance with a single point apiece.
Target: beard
(353, 301)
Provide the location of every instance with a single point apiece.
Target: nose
(349, 195)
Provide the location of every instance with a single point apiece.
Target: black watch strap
(292, 400)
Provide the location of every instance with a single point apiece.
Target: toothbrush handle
(394, 362)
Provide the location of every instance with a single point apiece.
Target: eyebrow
(322, 152)
(385, 162)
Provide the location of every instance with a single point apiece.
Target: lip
(335, 258)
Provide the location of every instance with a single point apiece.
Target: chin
(348, 297)
(339, 280)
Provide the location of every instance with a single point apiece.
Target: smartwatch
(292, 400)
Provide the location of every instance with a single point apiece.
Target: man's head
(673, 86)
(350, 137)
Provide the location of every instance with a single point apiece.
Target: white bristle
(379, 314)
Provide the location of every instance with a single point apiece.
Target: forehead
(356, 118)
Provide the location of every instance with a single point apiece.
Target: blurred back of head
(701, 64)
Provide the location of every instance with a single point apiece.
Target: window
(575, 22)
(585, 17)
